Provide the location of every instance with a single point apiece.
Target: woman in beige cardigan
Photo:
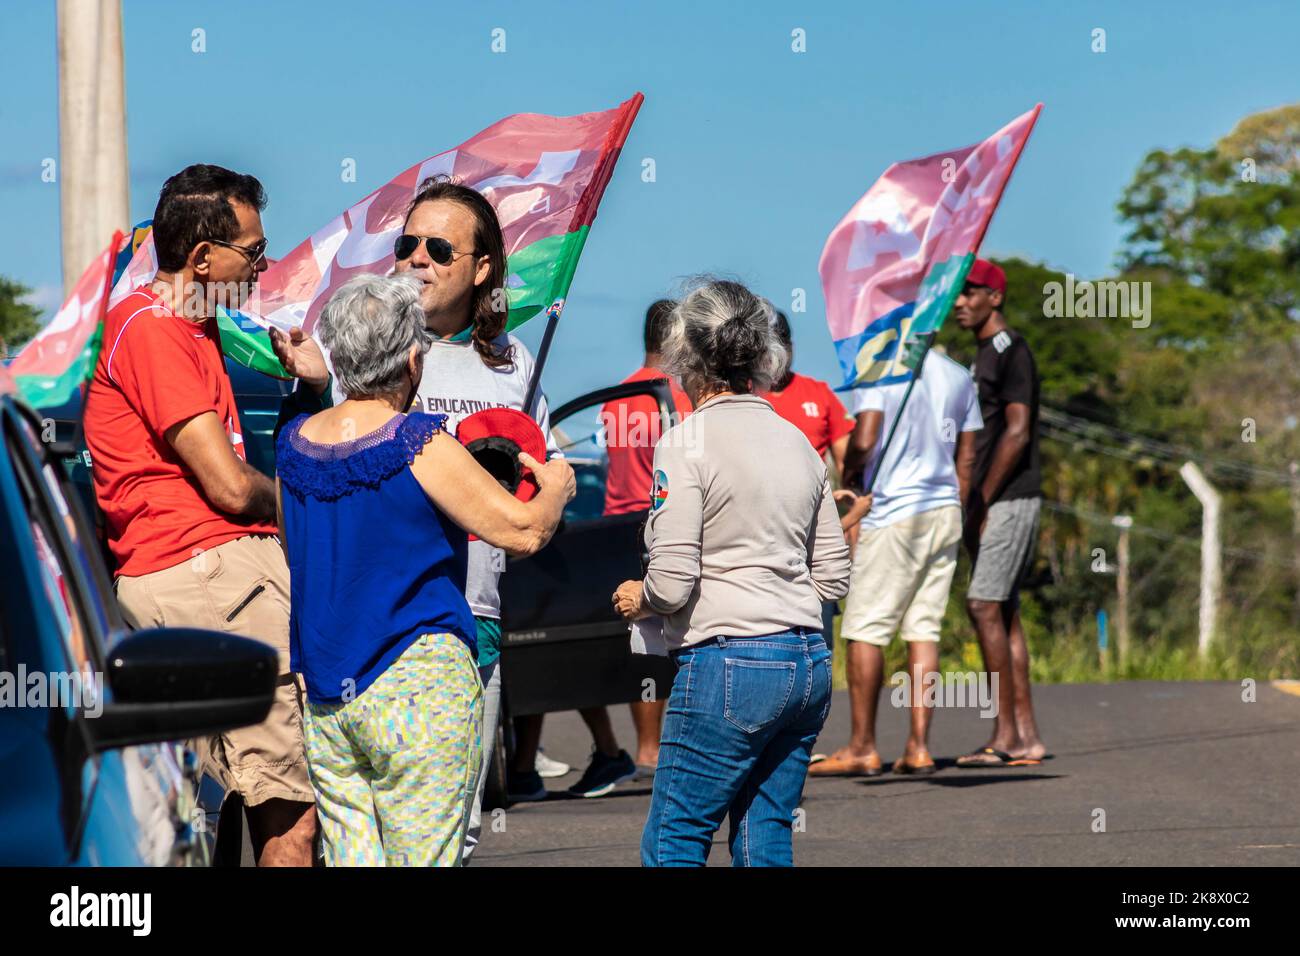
(745, 545)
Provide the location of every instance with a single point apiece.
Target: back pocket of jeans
(757, 692)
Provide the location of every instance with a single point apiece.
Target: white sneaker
(548, 768)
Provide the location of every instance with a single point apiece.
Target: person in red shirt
(811, 406)
(190, 523)
(632, 425)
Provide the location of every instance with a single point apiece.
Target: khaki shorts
(241, 587)
(901, 577)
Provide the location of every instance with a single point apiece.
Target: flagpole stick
(875, 472)
(552, 320)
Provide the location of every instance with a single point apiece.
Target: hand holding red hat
(556, 473)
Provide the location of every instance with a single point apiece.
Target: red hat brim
(495, 436)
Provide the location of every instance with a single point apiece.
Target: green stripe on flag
(540, 273)
(934, 300)
(249, 344)
(52, 391)
(939, 290)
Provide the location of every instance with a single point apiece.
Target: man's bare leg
(528, 736)
(864, 668)
(602, 731)
(648, 719)
(283, 832)
(987, 616)
(922, 659)
(1031, 745)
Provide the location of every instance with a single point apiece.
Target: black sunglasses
(253, 253)
(439, 249)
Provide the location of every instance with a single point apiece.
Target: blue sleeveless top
(372, 563)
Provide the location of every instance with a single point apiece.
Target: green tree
(19, 321)
(1225, 219)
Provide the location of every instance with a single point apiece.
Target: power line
(1151, 532)
(1134, 446)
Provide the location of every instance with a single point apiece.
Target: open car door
(562, 645)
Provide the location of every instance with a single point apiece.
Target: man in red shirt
(190, 523)
(811, 406)
(632, 425)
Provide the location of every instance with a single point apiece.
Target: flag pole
(928, 340)
(552, 320)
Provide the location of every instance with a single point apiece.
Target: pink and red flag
(895, 263)
(544, 175)
(53, 365)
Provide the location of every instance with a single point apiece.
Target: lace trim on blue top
(329, 472)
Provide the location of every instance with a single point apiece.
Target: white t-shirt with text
(457, 383)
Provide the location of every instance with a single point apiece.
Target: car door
(117, 807)
(563, 646)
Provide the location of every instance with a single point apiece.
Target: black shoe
(603, 774)
(525, 786)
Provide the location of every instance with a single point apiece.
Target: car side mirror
(171, 684)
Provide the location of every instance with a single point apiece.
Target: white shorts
(901, 577)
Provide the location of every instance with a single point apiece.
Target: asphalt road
(1187, 774)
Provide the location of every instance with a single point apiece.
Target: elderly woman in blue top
(375, 506)
(745, 545)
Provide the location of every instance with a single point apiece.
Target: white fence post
(1211, 552)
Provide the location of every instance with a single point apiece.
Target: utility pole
(1123, 523)
(93, 189)
(1211, 552)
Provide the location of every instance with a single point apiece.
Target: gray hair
(721, 336)
(369, 326)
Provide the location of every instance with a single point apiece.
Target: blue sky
(758, 150)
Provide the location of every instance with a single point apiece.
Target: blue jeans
(740, 725)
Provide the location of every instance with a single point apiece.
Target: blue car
(92, 771)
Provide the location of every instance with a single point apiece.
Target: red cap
(495, 437)
(982, 272)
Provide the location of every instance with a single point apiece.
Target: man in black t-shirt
(1002, 520)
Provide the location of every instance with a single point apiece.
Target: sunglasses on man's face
(439, 249)
(253, 253)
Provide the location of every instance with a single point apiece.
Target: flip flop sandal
(844, 768)
(1004, 759)
(1023, 762)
